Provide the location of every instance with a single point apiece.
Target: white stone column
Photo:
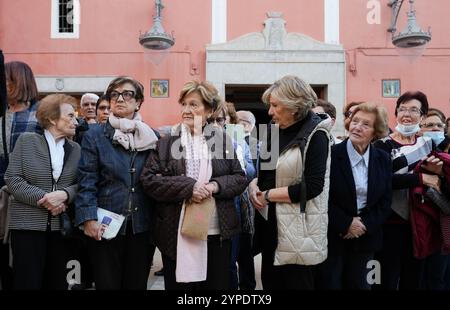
(331, 21)
(219, 21)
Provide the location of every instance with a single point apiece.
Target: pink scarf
(192, 254)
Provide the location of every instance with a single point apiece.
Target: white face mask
(408, 130)
(436, 136)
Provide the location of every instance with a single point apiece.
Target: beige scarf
(133, 134)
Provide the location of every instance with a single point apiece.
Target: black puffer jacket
(164, 179)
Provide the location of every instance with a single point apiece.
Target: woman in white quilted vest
(291, 191)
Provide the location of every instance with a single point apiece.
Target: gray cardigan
(29, 178)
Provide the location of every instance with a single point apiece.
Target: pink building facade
(342, 47)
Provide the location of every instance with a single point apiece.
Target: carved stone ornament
(59, 84)
(274, 31)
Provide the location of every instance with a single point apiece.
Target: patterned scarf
(192, 254)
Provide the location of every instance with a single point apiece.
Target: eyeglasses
(414, 110)
(348, 114)
(218, 120)
(364, 124)
(127, 95)
(431, 125)
(323, 114)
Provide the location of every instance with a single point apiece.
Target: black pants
(246, 263)
(79, 251)
(434, 272)
(344, 268)
(121, 263)
(6, 277)
(218, 269)
(399, 268)
(290, 277)
(40, 260)
(295, 277)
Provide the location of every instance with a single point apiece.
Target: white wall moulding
(331, 21)
(219, 21)
(73, 84)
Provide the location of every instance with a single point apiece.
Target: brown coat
(164, 179)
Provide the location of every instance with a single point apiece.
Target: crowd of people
(213, 191)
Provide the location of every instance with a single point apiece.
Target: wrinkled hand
(256, 196)
(212, 187)
(200, 192)
(433, 164)
(356, 229)
(93, 229)
(59, 209)
(262, 202)
(432, 181)
(53, 200)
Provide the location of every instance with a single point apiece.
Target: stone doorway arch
(260, 58)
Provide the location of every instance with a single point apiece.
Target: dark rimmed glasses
(127, 95)
(218, 120)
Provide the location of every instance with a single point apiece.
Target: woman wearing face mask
(399, 268)
(433, 126)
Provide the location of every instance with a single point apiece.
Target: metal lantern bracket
(156, 38)
(413, 35)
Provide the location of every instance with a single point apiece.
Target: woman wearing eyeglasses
(399, 268)
(112, 157)
(433, 126)
(241, 245)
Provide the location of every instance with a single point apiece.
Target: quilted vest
(302, 237)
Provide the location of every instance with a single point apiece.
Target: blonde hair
(294, 93)
(206, 90)
(49, 108)
(380, 126)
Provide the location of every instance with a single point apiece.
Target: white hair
(247, 115)
(89, 96)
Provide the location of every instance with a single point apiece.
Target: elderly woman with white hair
(294, 192)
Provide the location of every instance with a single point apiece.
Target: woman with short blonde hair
(357, 208)
(295, 94)
(294, 191)
(381, 119)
